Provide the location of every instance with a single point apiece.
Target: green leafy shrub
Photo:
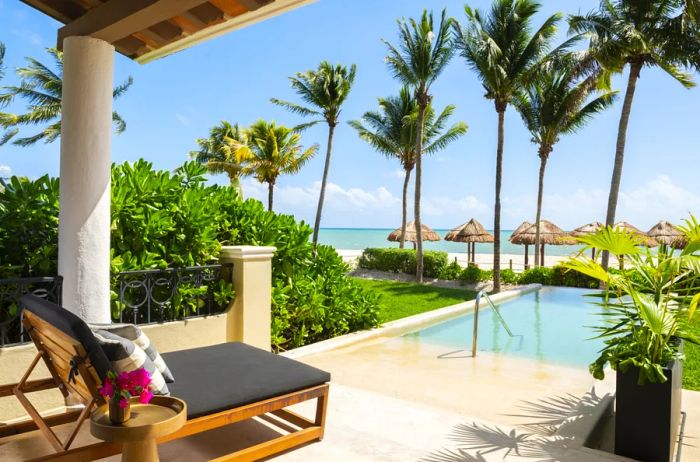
(451, 272)
(166, 219)
(540, 275)
(28, 227)
(562, 276)
(403, 261)
(508, 276)
(473, 274)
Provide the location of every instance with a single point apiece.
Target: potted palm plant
(646, 308)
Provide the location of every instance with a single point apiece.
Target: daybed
(221, 384)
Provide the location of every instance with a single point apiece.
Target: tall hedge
(166, 219)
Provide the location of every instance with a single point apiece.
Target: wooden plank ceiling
(147, 29)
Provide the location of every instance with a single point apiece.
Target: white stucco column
(84, 220)
(249, 317)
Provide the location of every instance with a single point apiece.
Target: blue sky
(177, 99)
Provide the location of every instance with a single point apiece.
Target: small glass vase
(118, 415)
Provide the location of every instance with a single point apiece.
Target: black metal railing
(139, 297)
(11, 328)
(152, 296)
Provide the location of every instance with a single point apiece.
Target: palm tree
(651, 33)
(392, 131)
(221, 153)
(4, 117)
(558, 102)
(504, 53)
(273, 150)
(422, 54)
(42, 88)
(325, 90)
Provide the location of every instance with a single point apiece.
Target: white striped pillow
(126, 356)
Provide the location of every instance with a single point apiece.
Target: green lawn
(691, 366)
(401, 299)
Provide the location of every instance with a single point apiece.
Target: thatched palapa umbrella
(585, 230)
(549, 234)
(636, 232)
(411, 232)
(523, 226)
(667, 234)
(470, 232)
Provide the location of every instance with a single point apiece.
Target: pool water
(551, 325)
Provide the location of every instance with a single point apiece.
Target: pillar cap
(247, 252)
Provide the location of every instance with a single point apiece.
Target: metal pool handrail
(479, 295)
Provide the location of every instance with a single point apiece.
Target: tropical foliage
(324, 91)
(393, 129)
(273, 150)
(220, 152)
(636, 34)
(558, 101)
(505, 53)
(422, 54)
(42, 88)
(647, 306)
(158, 221)
(403, 261)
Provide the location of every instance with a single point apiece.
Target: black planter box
(647, 417)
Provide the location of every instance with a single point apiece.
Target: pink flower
(123, 403)
(145, 397)
(123, 381)
(140, 377)
(107, 389)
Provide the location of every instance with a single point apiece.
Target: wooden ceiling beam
(116, 19)
(60, 10)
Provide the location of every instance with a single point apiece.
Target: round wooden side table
(162, 416)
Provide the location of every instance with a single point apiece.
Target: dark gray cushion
(71, 325)
(225, 376)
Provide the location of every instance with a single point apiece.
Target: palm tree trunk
(635, 69)
(237, 185)
(497, 205)
(423, 103)
(540, 190)
(404, 215)
(321, 197)
(270, 193)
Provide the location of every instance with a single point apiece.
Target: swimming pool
(551, 324)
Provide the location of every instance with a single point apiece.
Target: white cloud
(30, 36)
(295, 198)
(657, 199)
(464, 208)
(5, 171)
(183, 119)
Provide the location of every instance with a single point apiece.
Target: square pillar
(86, 136)
(250, 315)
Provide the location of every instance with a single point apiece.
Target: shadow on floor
(538, 438)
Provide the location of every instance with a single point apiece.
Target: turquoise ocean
(362, 238)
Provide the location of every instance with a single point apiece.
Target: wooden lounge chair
(221, 384)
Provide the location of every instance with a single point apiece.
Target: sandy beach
(485, 261)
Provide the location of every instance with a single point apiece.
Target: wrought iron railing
(11, 328)
(139, 297)
(151, 296)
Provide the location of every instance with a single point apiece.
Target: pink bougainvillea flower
(123, 403)
(145, 397)
(107, 389)
(141, 377)
(123, 381)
